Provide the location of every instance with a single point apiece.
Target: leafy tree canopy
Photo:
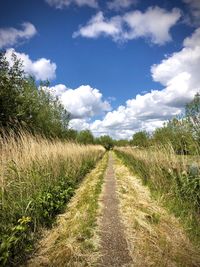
(23, 105)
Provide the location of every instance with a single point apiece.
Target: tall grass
(173, 179)
(37, 177)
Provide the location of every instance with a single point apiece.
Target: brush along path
(73, 241)
(155, 237)
(113, 245)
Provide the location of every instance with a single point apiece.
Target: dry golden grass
(27, 149)
(37, 177)
(74, 241)
(155, 237)
(29, 163)
(162, 157)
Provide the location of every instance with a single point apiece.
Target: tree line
(24, 104)
(182, 134)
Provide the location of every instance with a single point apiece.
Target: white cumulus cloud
(99, 25)
(65, 3)
(120, 4)
(155, 24)
(133, 25)
(11, 36)
(179, 73)
(83, 102)
(41, 69)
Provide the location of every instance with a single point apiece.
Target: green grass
(177, 190)
(74, 240)
(38, 178)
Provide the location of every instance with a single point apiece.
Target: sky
(118, 66)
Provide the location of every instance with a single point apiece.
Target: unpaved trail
(113, 243)
(116, 226)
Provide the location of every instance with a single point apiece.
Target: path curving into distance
(114, 249)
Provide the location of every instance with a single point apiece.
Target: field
(55, 204)
(38, 177)
(173, 179)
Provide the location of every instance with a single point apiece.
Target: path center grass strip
(155, 237)
(74, 241)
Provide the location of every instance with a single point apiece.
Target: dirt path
(114, 248)
(121, 225)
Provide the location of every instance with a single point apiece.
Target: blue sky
(117, 66)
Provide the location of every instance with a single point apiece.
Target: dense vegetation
(182, 134)
(23, 105)
(43, 161)
(38, 177)
(167, 160)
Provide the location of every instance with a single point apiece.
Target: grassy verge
(172, 181)
(74, 242)
(155, 237)
(38, 177)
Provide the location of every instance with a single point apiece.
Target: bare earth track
(114, 248)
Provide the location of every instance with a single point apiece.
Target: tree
(23, 105)
(140, 139)
(11, 84)
(85, 137)
(105, 141)
(71, 135)
(177, 134)
(192, 112)
(122, 142)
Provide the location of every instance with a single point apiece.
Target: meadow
(38, 177)
(174, 180)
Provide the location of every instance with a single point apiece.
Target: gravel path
(114, 248)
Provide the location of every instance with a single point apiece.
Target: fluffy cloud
(181, 69)
(179, 73)
(146, 24)
(65, 3)
(194, 6)
(99, 25)
(83, 102)
(41, 69)
(11, 36)
(133, 25)
(79, 124)
(120, 4)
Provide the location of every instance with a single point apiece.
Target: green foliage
(23, 105)
(121, 142)
(193, 116)
(105, 141)
(42, 209)
(140, 139)
(179, 189)
(37, 208)
(183, 134)
(85, 137)
(178, 134)
(16, 241)
(71, 135)
(51, 202)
